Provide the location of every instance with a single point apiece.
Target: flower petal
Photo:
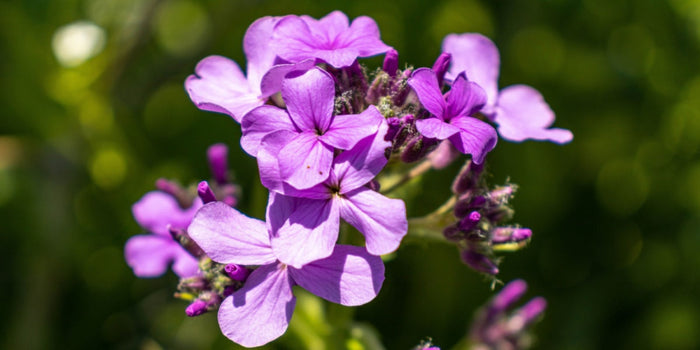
(272, 80)
(256, 45)
(260, 122)
(303, 230)
(156, 210)
(305, 161)
(350, 276)
(293, 40)
(356, 167)
(465, 98)
(259, 312)
(229, 237)
(475, 137)
(436, 128)
(310, 98)
(363, 36)
(478, 57)
(523, 114)
(424, 82)
(382, 220)
(219, 85)
(348, 129)
(150, 255)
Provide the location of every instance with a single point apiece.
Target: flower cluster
(322, 130)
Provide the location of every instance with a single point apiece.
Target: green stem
(430, 226)
(418, 170)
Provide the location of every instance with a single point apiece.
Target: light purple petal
(156, 210)
(356, 167)
(348, 129)
(219, 85)
(478, 57)
(350, 276)
(259, 312)
(523, 114)
(305, 161)
(424, 82)
(330, 26)
(475, 137)
(293, 40)
(465, 98)
(436, 128)
(256, 45)
(184, 264)
(363, 36)
(310, 98)
(150, 256)
(260, 122)
(303, 230)
(382, 220)
(272, 80)
(229, 237)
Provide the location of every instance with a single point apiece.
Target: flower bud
(416, 148)
(205, 193)
(469, 222)
(236, 272)
(391, 63)
(217, 155)
(479, 262)
(197, 308)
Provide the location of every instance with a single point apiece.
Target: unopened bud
(205, 193)
(467, 178)
(236, 272)
(173, 189)
(197, 308)
(416, 148)
(479, 262)
(217, 155)
(391, 63)
(469, 222)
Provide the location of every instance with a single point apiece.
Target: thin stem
(418, 170)
(430, 226)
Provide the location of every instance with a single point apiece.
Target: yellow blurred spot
(108, 168)
(632, 49)
(181, 26)
(460, 17)
(77, 42)
(538, 52)
(622, 187)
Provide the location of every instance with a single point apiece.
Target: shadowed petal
(272, 80)
(150, 256)
(156, 210)
(478, 57)
(256, 45)
(350, 276)
(302, 230)
(424, 82)
(523, 114)
(346, 130)
(220, 86)
(309, 98)
(475, 137)
(465, 98)
(259, 312)
(356, 167)
(305, 161)
(260, 122)
(229, 237)
(382, 220)
(436, 128)
(293, 40)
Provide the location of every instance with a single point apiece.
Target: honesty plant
(333, 142)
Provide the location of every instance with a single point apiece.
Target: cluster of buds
(215, 282)
(481, 211)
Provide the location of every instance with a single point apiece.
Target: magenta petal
(349, 129)
(356, 167)
(303, 230)
(350, 276)
(229, 237)
(475, 137)
(259, 312)
(150, 255)
(305, 161)
(260, 122)
(184, 264)
(220, 86)
(272, 80)
(268, 166)
(436, 128)
(382, 220)
(523, 114)
(310, 98)
(363, 36)
(156, 210)
(256, 45)
(465, 98)
(331, 25)
(478, 57)
(424, 82)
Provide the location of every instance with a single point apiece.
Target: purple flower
(330, 39)
(219, 85)
(260, 311)
(304, 223)
(519, 110)
(305, 159)
(150, 255)
(452, 114)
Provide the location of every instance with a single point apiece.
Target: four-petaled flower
(260, 311)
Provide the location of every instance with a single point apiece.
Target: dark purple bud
(173, 189)
(217, 155)
(440, 66)
(228, 290)
(205, 193)
(469, 222)
(394, 128)
(508, 296)
(452, 233)
(391, 63)
(466, 179)
(180, 235)
(197, 308)
(417, 147)
(236, 272)
(443, 155)
(479, 262)
(374, 185)
(408, 119)
(400, 89)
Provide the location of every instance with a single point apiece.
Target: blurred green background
(89, 124)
